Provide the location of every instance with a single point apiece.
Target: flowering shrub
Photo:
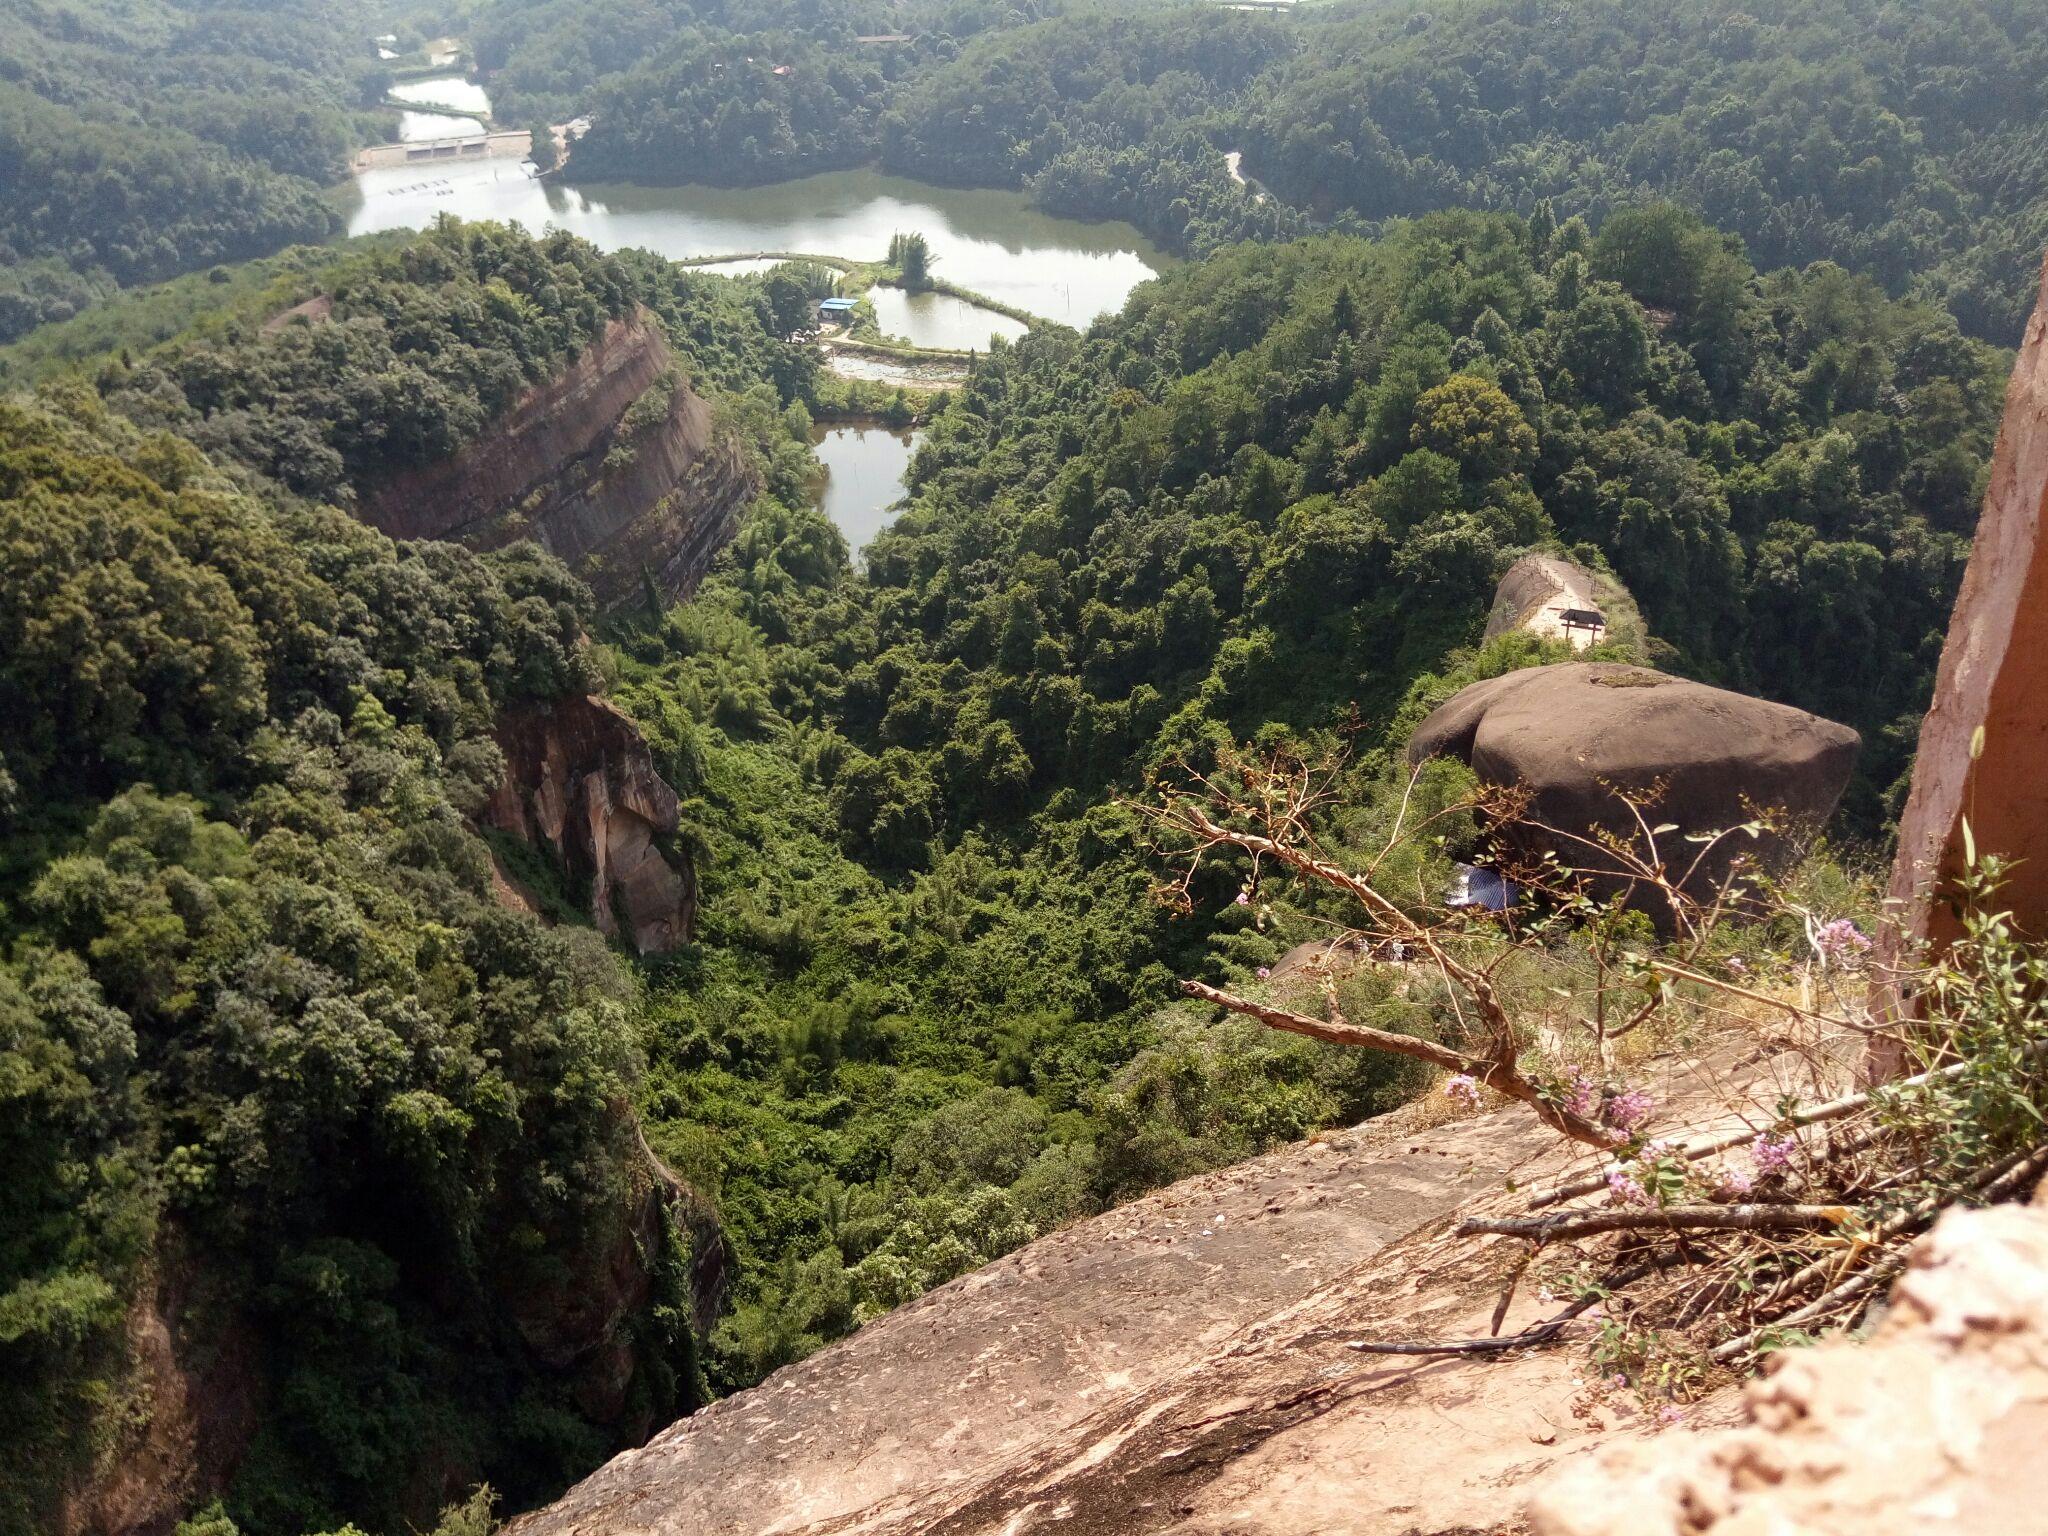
(1771, 1156)
(1841, 942)
(1629, 1109)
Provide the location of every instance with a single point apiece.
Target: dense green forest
(149, 137)
(1707, 298)
(1263, 503)
(263, 1027)
(264, 1030)
(1894, 138)
(252, 969)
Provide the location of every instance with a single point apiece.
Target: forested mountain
(1708, 299)
(267, 1039)
(149, 137)
(1879, 134)
(1889, 136)
(270, 1045)
(253, 970)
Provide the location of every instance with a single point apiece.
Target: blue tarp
(1473, 886)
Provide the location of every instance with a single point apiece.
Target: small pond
(940, 320)
(863, 480)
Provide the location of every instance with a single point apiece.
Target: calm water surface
(940, 320)
(414, 126)
(864, 468)
(452, 93)
(993, 242)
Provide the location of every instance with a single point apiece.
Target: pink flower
(1244, 898)
(1772, 1155)
(1627, 1110)
(1733, 1184)
(1264, 972)
(1463, 1090)
(1626, 1188)
(1841, 941)
(1584, 1098)
(1671, 1413)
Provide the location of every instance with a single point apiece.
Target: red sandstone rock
(580, 782)
(1994, 680)
(545, 471)
(1934, 1426)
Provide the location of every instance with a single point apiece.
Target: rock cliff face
(1982, 742)
(1574, 735)
(194, 1364)
(580, 783)
(1183, 1365)
(623, 508)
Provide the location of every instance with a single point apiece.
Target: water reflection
(451, 93)
(993, 242)
(940, 320)
(863, 480)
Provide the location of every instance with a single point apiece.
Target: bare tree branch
(1498, 1075)
(1705, 1218)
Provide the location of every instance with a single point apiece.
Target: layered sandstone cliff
(627, 501)
(580, 783)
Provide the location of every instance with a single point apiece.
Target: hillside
(1897, 141)
(927, 1010)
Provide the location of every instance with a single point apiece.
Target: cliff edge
(615, 465)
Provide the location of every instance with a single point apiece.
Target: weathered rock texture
(1574, 735)
(1935, 1425)
(194, 1372)
(1993, 679)
(579, 1320)
(1537, 590)
(580, 782)
(654, 512)
(1176, 1365)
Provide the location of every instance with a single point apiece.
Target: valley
(968, 728)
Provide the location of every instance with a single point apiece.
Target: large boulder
(1581, 736)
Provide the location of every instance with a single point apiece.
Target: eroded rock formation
(1934, 1425)
(580, 782)
(1985, 737)
(1578, 736)
(194, 1365)
(624, 508)
(1540, 590)
(1181, 1364)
